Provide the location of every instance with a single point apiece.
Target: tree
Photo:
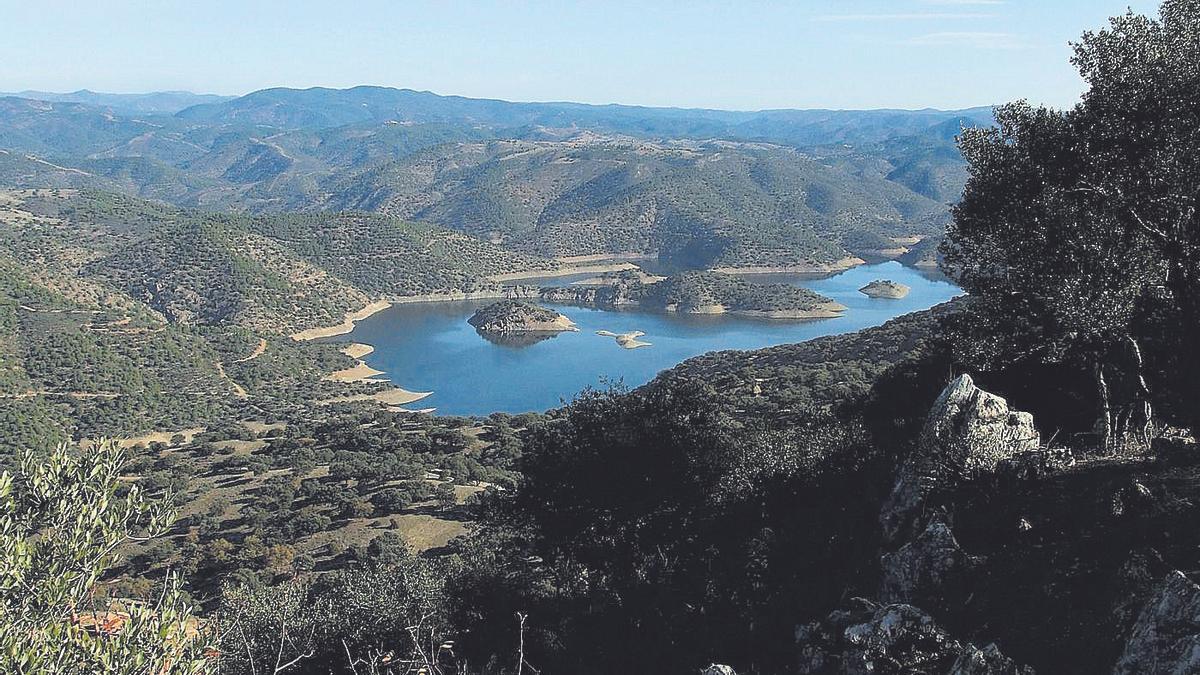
(61, 519)
(1051, 277)
(1140, 120)
(444, 494)
(1073, 221)
(388, 549)
(279, 558)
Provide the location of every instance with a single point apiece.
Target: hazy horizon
(853, 55)
(30, 91)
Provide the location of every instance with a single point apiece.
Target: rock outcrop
(968, 433)
(511, 316)
(1034, 465)
(897, 638)
(928, 570)
(1166, 636)
(885, 289)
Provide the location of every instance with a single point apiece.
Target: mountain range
(704, 188)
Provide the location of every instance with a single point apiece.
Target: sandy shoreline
(357, 373)
(360, 371)
(808, 268)
(826, 310)
(357, 350)
(345, 326)
(626, 340)
(391, 397)
(564, 272)
(603, 257)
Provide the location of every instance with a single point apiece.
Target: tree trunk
(1103, 428)
(1141, 412)
(1189, 353)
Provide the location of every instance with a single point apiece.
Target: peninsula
(698, 293)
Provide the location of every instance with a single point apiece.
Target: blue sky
(740, 54)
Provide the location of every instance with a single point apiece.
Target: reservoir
(429, 347)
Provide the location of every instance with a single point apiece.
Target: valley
(318, 381)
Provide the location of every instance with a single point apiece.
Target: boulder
(986, 661)
(1166, 636)
(718, 669)
(1134, 498)
(967, 434)
(931, 570)
(1176, 449)
(896, 638)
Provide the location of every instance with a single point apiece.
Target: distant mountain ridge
(320, 107)
(159, 102)
(701, 188)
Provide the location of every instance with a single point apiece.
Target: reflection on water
(516, 340)
(430, 346)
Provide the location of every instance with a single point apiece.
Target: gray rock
(1174, 449)
(897, 638)
(930, 570)
(968, 433)
(986, 661)
(718, 669)
(900, 634)
(1133, 498)
(1026, 466)
(1166, 636)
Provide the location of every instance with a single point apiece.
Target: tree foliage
(61, 518)
(1074, 222)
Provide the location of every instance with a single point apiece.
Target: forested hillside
(1005, 484)
(699, 188)
(121, 316)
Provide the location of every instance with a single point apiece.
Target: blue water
(430, 346)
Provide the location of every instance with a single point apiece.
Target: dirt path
(238, 390)
(55, 166)
(258, 351)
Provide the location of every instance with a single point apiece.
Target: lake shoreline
(430, 345)
(563, 272)
(347, 324)
(847, 263)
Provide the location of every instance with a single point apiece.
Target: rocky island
(699, 293)
(509, 317)
(885, 289)
(626, 340)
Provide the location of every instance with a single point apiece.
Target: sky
(732, 54)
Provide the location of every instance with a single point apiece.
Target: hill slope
(699, 187)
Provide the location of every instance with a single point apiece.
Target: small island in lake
(698, 293)
(626, 340)
(509, 317)
(885, 289)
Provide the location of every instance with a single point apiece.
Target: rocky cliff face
(1166, 637)
(968, 432)
(613, 296)
(928, 570)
